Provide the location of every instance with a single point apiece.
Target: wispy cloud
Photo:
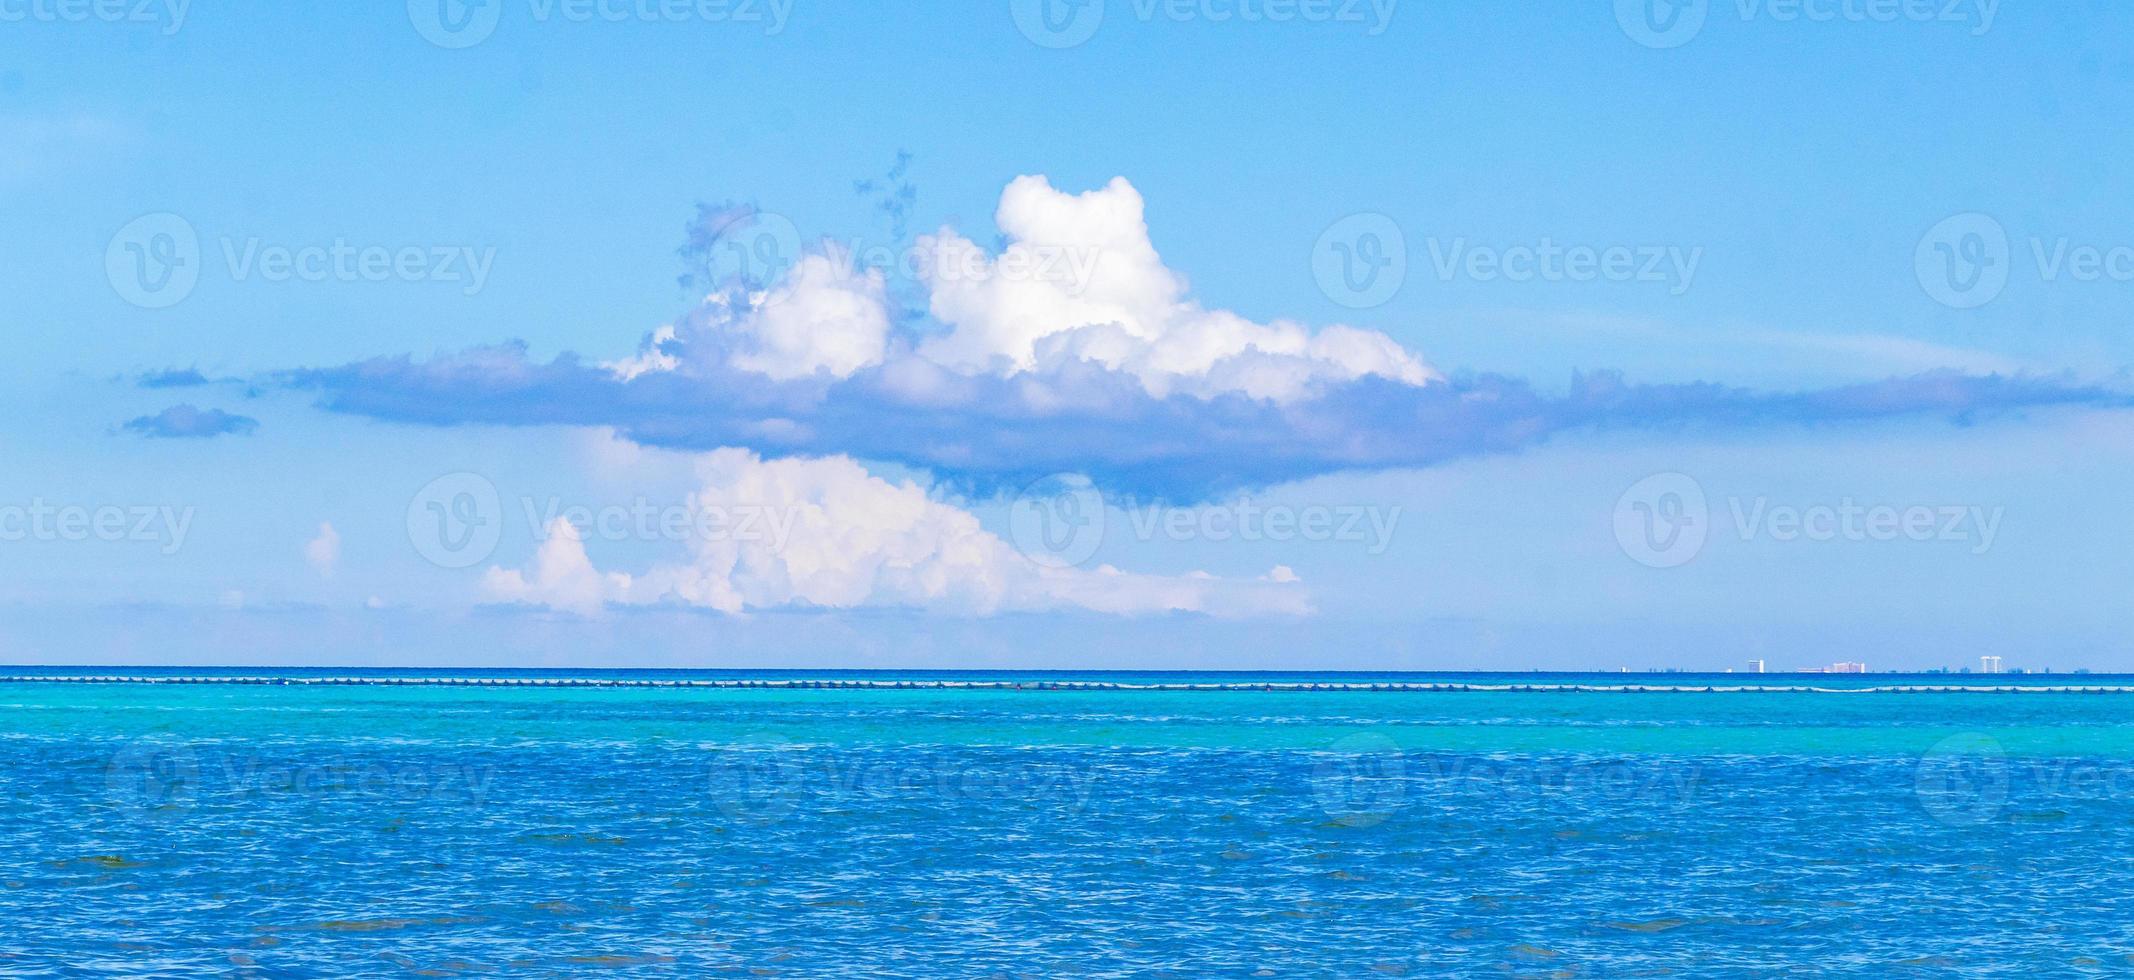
(191, 422)
(173, 378)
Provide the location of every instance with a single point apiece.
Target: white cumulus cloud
(562, 576)
(323, 551)
(1080, 279)
(825, 316)
(1077, 280)
(824, 532)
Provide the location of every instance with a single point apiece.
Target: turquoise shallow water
(327, 830)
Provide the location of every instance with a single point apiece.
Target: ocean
(445, 823)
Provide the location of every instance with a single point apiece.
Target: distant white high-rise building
(1989, 664)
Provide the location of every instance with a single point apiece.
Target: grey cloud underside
(985, 433)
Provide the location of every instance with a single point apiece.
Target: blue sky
(1784, 188)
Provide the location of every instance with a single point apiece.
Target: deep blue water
(330, 831)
